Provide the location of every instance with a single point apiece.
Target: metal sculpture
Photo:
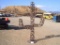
(32, 37)
(42, 20)
(32, 15)
(21, 23)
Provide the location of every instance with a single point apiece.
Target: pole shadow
(47, 37)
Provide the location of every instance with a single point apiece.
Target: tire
(6, 26)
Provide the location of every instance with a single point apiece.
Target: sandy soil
(48, 34)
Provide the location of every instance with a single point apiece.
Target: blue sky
(48, 5)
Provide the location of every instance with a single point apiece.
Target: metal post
(32, 37)
(41, 20)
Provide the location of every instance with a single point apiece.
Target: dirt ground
(48, 34)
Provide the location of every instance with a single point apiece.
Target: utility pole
(32, 15)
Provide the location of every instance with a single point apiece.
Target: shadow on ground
(15, 27)
(23, 27)
(19, 28)
(10, 27)
(47, 37)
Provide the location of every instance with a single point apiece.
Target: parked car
(4, 23)
(6, 15)
(48, 17)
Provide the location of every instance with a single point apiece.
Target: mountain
(20, 9)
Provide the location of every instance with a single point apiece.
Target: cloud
(40, 6)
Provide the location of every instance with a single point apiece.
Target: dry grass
(20, 9)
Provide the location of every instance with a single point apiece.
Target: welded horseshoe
(42, 20)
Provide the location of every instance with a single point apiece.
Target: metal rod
(32, 37)
(41, 20)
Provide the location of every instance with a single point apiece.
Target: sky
(47, 5)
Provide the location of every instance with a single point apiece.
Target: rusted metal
(32, 16)
(41, 20)
(20, 23)
(32, 37)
